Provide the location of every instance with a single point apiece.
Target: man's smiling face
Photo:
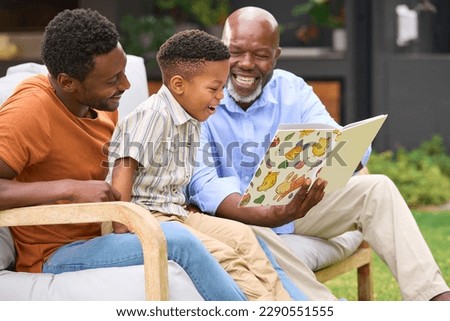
(254, 51)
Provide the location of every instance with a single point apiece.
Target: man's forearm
(18, 194)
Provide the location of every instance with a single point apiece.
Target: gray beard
(240, 99)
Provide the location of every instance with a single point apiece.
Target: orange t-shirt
(42, 141)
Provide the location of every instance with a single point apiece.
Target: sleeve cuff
(214, 192)
(365, 158)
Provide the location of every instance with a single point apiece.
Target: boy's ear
(176, 83)
(67, 83)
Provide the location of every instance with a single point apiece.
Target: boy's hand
(192, 208)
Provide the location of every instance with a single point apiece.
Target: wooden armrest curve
(138, 219)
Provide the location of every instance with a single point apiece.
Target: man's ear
(277, 53)
(177, 83)
(67, 83)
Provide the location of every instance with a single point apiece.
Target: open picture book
(301, 151)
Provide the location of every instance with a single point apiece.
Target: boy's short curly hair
(186, 52)
(72, 40)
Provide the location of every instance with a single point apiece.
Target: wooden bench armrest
(145, 226)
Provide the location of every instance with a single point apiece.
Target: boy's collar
(176, 111)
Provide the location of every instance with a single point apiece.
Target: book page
(351, 145)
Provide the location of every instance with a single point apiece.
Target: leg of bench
(365, 283)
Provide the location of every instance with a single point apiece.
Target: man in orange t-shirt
(55, 131)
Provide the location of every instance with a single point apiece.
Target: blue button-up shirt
(233, 141)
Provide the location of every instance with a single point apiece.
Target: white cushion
(15, 74)
(106, 284)
(27, 67)
(7, 252)
(138, 92)
(318, 253)
(118, 283)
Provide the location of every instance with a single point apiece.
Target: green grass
(435, 228)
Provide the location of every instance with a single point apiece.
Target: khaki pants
(237, 250)
(372, 204)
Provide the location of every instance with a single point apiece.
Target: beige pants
(237, 250)
(372, 204)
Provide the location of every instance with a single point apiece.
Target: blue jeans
(288, 285)
(115, 250)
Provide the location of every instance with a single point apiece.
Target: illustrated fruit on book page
(319, 149)
(269, 181)
(290, 155)
(245, 200)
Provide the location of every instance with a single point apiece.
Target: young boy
(151, 158)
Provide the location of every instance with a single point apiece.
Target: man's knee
(375, 181)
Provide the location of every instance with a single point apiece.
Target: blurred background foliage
(422, 174)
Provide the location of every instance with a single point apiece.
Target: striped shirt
(162, 137)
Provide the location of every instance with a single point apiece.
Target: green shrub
(433, 151)
(422, 175)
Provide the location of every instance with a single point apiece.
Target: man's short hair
(186, 52)
(73, 38)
